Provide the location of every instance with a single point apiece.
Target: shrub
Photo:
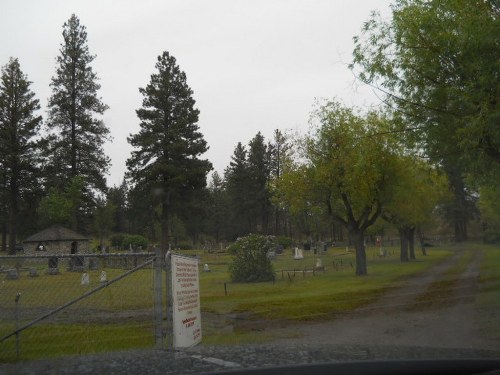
(250, 261)
(117, 240)
(135, 240)
(284, 241)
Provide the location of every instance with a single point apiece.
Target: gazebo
(58, 240)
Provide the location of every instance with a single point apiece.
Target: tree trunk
(422, 241)
(357, 238)
(4, 237)
(13, 212)
(411, 242)
(404, 245)
(460, 230)
(12, 230)
(165, 228)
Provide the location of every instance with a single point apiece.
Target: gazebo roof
(56, 233)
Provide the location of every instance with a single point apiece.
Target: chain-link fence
(74, 304)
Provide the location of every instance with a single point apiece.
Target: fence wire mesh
(104, 303)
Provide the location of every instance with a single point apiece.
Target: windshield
(202, 187)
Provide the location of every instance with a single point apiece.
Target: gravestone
(53, 264)
(53, 271)
(206, 268)
(93, 264)
(33, 272)
(298, 254)
(279, 249)
(85, 279)
(104, 277)
(319, 265)
(271, 254)
(12, 274)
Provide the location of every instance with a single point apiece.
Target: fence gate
(55, 305)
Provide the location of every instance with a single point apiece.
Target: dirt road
(417, 314)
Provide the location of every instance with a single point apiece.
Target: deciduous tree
(437, 64)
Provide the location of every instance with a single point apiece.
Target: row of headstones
(13, 274)
(85, 280)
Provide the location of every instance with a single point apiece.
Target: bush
(250, 261)
(117, 240)
(135, 240)
(284, 241)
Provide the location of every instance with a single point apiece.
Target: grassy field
(488, 300)
(120, 316)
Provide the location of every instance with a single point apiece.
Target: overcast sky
(254, 65)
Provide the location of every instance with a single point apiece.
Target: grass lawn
(488, 299)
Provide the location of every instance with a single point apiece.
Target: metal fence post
(158, 313)
(168, 291)
(18, 295)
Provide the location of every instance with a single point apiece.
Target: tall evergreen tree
(19, 126)
(77, 131)
(217, 207)
(259, 169)
(279, 155)
(168, 146)
(117, 195)
(237, 185)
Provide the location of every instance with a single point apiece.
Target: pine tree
(19, 126)
(237, 184)
(168, 146)
(217, 207)
(78, 134)
(259, 169)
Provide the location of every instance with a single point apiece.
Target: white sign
(186, 302)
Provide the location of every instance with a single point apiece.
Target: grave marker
(85, 279)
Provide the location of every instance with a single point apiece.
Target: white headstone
(104, 277)
(85, 279)
(206, 268)
(319, 263)
(298, 254)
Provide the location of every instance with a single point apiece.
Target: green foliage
(57, 207)
(250, 261)
(489, 204)
(134, 240)
(19, 151)
(437, 62)
(117, 239)
(166, 162)
(76, 147)
(284, 241)
(349, 171)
